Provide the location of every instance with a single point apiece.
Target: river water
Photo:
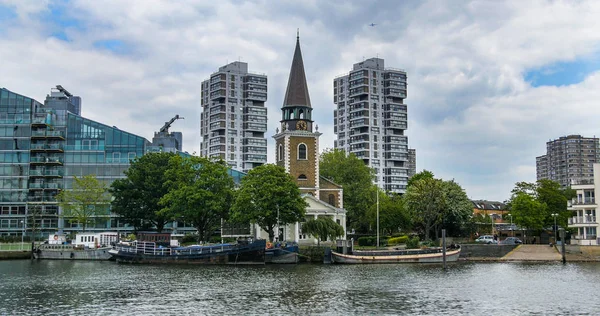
(107, 288)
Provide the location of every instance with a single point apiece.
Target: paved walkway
(533, 253)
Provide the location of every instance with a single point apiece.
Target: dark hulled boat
(243, 252)
(287, 253)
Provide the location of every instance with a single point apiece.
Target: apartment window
(302, 152)
(331, 199)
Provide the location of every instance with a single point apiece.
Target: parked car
(511, 241)
(486, 239)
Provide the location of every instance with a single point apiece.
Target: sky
(489, 82)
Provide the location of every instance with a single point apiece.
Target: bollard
(444, 247)
(562, 243)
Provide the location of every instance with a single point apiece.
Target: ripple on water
(60, 287)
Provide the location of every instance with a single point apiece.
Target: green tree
(550, 194)
(458, 210)
(357, 180)
(393, 216)
(425, 200)
(549, 199)
(527, 211)
(200, 193)
(136, 197)
(323, 228)
(85, 202)
(268, 196)
(425, 174)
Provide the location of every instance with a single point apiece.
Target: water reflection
(60, 287)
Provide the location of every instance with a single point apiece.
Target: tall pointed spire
(297, 89)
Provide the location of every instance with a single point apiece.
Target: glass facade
(43, 147)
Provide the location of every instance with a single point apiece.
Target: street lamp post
(555, 215)
(511, 226)
(22, 233)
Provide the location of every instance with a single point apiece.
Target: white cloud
(472, 117)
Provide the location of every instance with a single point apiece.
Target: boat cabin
(95, 240)
(57, 239)
(161, 239)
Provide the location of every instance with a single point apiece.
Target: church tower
(296, 144)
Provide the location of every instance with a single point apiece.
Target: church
(297, 151)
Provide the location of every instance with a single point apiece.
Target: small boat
(93, 246)
(283, 253)
(430, 255)
(243, 252)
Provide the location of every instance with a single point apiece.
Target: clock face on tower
(301, 125)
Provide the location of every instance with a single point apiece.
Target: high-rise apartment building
(234, 117)
(412, 162)
(569, 160)
(370, 120)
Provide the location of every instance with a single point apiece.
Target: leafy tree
(393, 216)
(425, 174)
(87, 200)
(458, 210)
(136, 197)
(357, 180)
(527, 211)
(425, 200)
(200, 192)
(268, 196)
(323, 228)
(549, 199)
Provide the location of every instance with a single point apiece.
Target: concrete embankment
(476, 252)
(10, 255)
(528, 253)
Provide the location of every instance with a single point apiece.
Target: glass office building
(43, 146)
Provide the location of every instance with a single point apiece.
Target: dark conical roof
(297, 89)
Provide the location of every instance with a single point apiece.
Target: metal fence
(15, 246)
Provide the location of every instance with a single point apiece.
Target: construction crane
(165, 128)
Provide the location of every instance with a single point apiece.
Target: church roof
(297, 89)
(319, 206)
(323, 179)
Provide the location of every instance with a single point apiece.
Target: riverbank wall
(13, 255)
(477, 252)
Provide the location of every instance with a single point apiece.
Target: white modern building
(585, 207)
(370, 120)
(234, 117)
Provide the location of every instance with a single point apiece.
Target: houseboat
(86, 246)
(160, 248)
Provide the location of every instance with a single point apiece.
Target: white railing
(588, 219)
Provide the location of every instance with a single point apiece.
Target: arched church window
(280, 153)
(331, 199)
(291, 115)
(302, 152)
(302, 177)
(301, 114)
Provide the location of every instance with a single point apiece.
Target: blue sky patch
(562, 73)
(7, 13)
(114, 45)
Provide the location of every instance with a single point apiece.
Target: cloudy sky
(489, 81)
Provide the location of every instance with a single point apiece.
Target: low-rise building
(584, 208)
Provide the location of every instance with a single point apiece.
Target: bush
(397, 240)
(189, 238)
(413, 243)
(372, 241)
